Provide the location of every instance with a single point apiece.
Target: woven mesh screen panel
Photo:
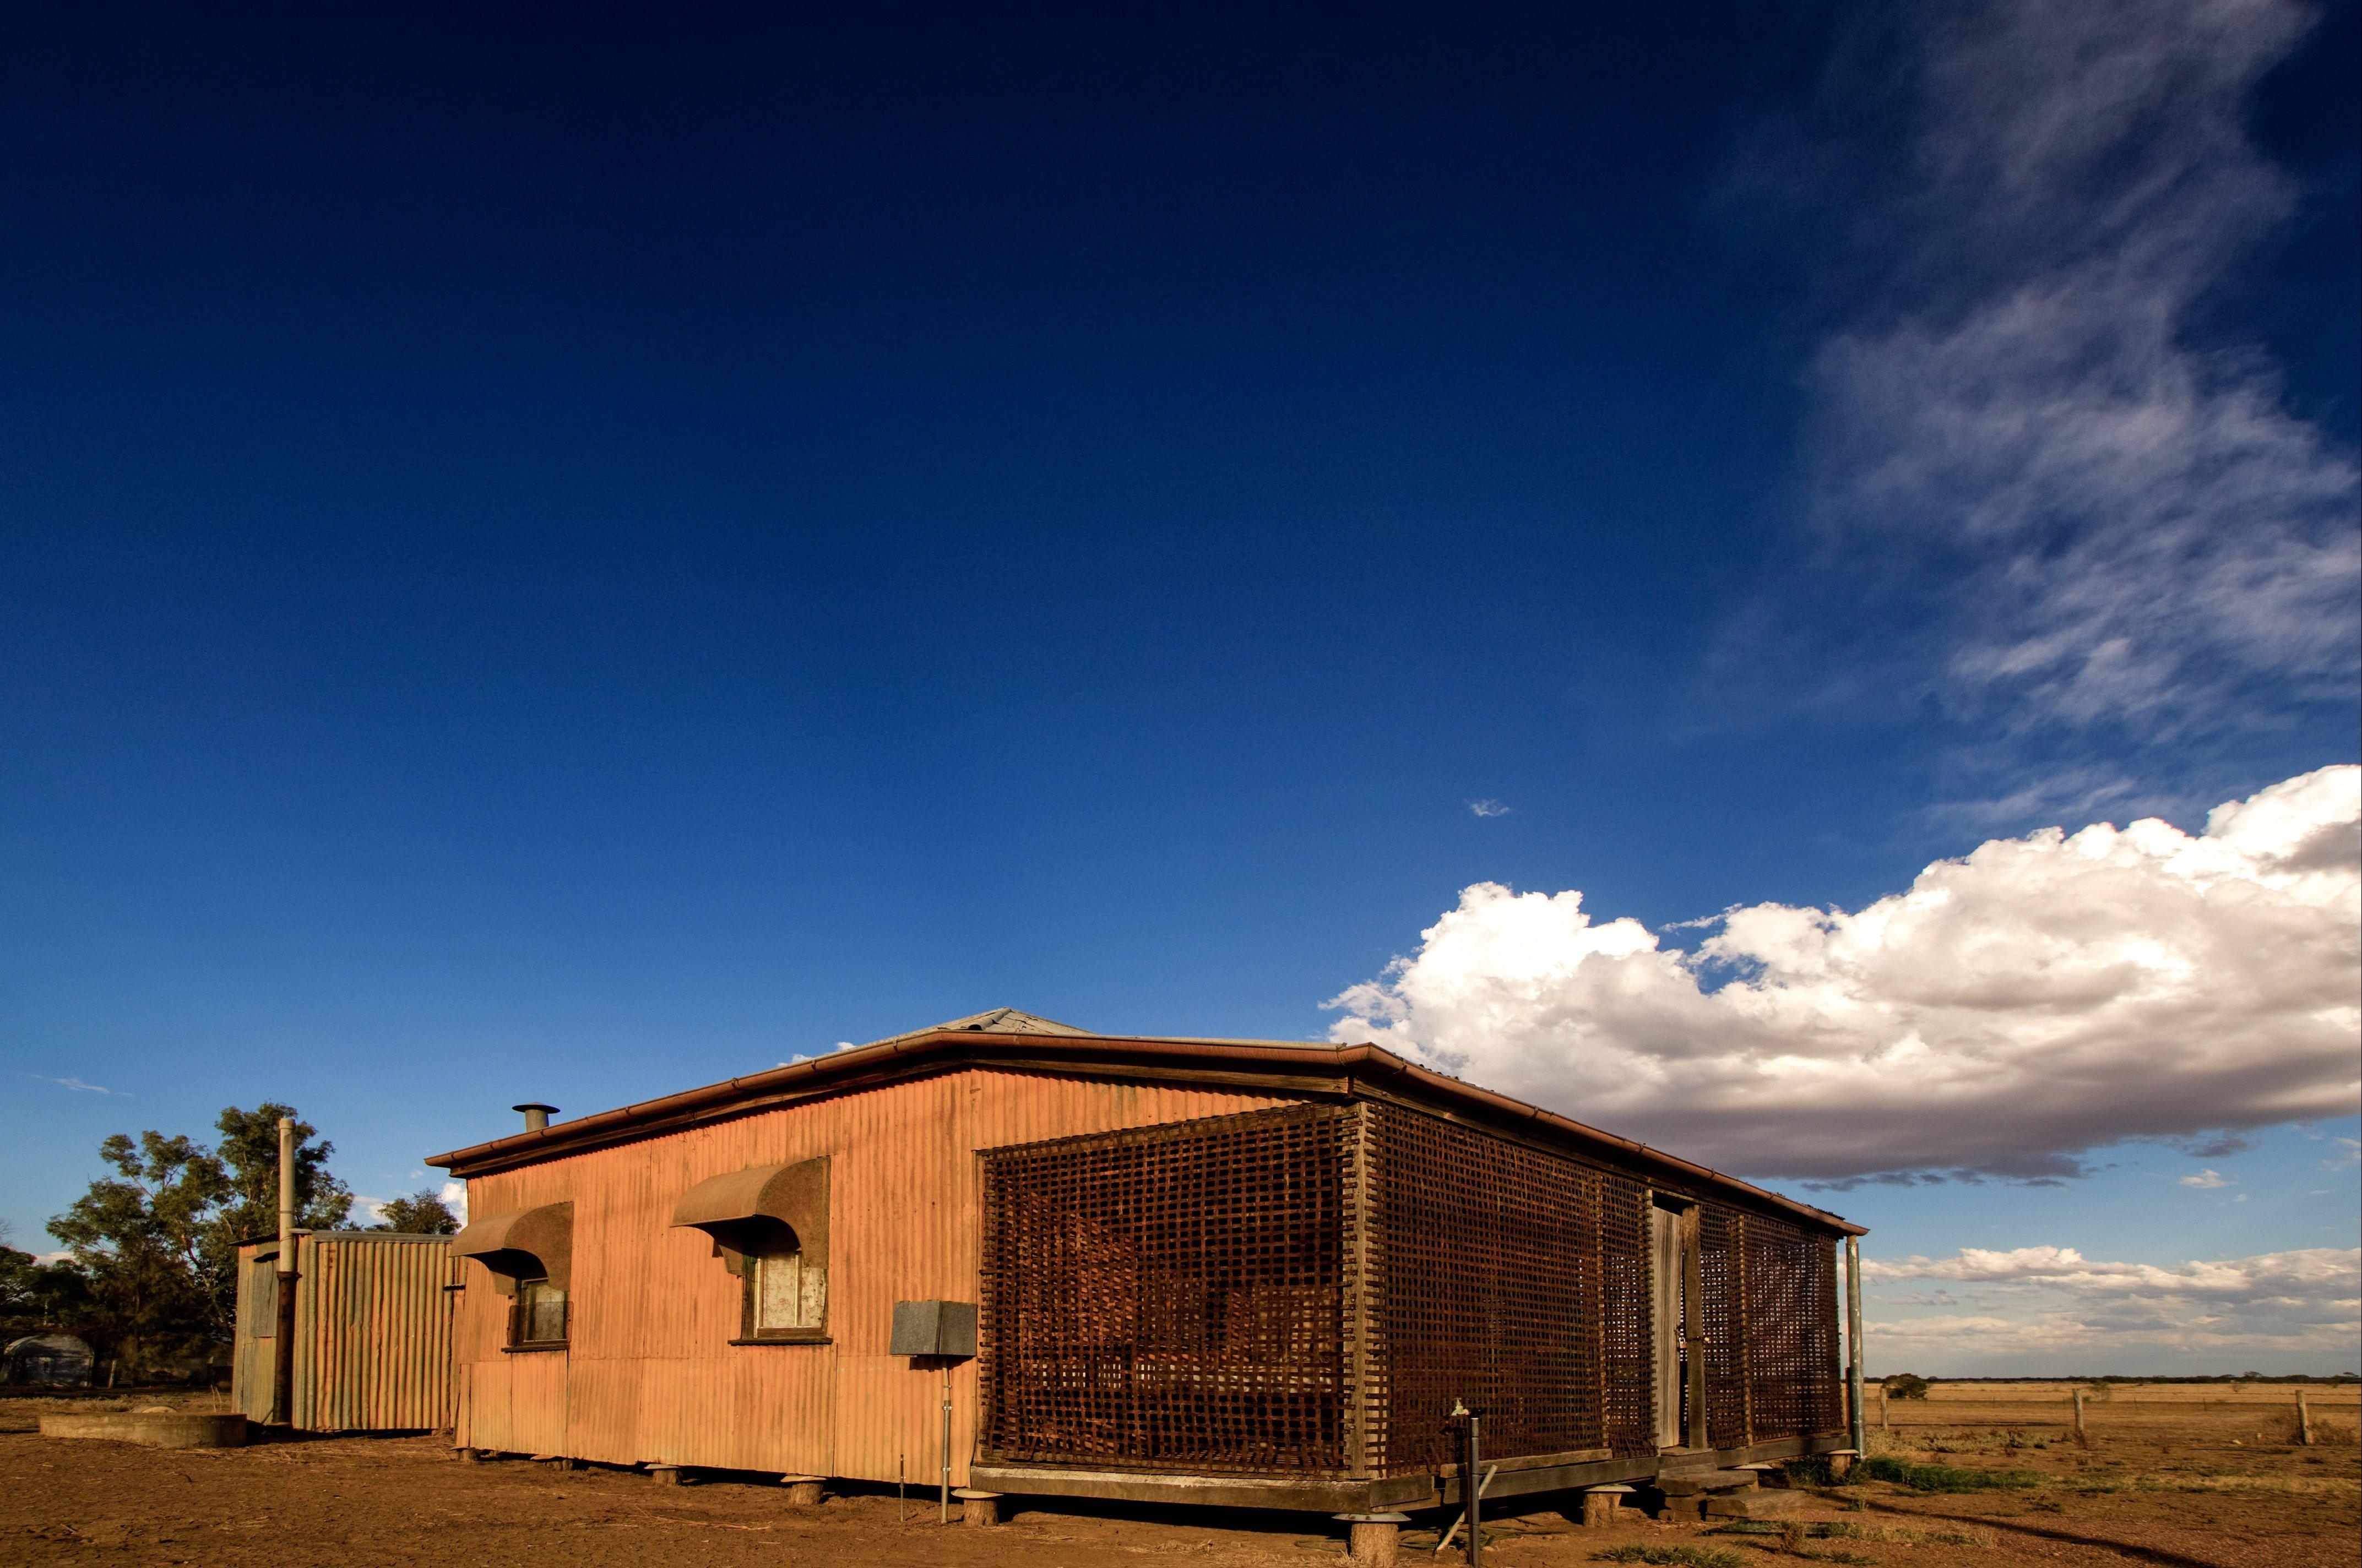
(1791, 1331)
(1486, 1290)
(1722, 1318)
(1169, 1298)
(1626, 1342)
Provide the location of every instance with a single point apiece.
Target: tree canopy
(157, 1242)
(420, 1214)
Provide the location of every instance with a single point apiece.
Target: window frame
(520, 1315)
(751, 1266)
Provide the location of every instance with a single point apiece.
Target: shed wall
(648, 1374)
(372, 1333)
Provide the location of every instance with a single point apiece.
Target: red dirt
(2175, 1493)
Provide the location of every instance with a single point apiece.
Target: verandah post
(1853, 1341)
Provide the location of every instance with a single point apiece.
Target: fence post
(2304, 1420)
(2079, 1436)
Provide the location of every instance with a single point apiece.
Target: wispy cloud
(2350, 1155)
(2206, 1179)
(1488, 808)
(2009, 1011)
(77, 1085)
(2090, 516)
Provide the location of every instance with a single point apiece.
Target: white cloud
(2207, 1179)
(2352, 1156)
(2107, 518)
(1488, 808)
(2040, 997)
(75, 1084)
(2034, 1305)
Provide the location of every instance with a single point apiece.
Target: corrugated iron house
(374, 1313)
(1217, 1271)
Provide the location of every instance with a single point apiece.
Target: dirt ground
(2175, 1476)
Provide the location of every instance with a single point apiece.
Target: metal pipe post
(947, 1443)
(1853, 1341)
(1475, 1488)
(282, 1368)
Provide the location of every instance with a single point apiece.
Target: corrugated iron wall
(372, 1332)
(649, 1373)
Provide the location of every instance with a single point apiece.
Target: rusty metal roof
(999, 1038)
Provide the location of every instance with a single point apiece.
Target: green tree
(140, 1236)
(41, 1298)
(158, 1240)
(250, 1154)
(1906, 1386)
(420, 1214)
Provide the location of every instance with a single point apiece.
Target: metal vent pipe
(537, 1115)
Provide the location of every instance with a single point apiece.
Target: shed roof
(1008, 1038)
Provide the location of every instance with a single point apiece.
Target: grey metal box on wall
(934, 1328)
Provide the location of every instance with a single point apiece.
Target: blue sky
(566, 557)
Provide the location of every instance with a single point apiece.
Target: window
(262, 1298)
(786, 1297)
(538, 1320)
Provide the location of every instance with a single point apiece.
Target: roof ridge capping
(995, 1020)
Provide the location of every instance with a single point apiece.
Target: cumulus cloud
(1488, 808)
(2208, 1179)
(2037, 1303)
(2010, 1011)
(2105, 517)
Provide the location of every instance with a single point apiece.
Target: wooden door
(1673, 1317)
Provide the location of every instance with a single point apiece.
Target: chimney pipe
(537, 1115)
(283, 1364)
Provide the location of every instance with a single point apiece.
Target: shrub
(1671, 1556)
(1906, 1386)
(1942, 1477)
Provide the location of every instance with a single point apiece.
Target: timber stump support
(979, 1509)
(1602, 1504)
(803, 1491)
(664, 1474)
(1370, 1539)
